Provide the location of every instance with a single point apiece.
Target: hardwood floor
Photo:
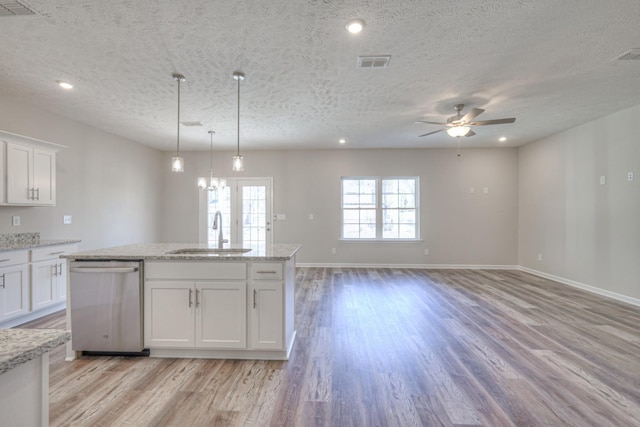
(389, 347)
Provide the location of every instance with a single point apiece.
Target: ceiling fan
(460, 125)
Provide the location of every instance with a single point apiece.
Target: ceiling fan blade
(470, 133)
(431, 123)
(471, 115)
(431, 133)
(492, 122)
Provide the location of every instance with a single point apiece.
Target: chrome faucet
(218, 226)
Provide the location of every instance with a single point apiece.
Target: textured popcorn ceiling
(550, 64)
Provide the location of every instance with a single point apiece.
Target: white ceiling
(550, 64)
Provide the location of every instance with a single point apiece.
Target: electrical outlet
(426, 251)
(472, 190)
(630, 176)
(15, 220)
(603, 180)
(66, 219)
(333, 251)
(486, 190)
(311, 217)
(539, 257)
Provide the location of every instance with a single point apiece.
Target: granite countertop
(19, 346)
(160, 251)
(6, 247)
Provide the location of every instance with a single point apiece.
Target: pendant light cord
(178, 132)
(239, 116)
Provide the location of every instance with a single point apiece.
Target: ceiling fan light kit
(458, 125)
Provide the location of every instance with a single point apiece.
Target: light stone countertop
(159, 251)
(6, 247)
(18, 346)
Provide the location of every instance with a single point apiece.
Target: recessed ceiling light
(502, 139)
(64, 85)
(355, 26)
(342, 140)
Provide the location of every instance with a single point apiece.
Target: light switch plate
(66, 219)
(15, 220)
(603, 180)
(281, 217)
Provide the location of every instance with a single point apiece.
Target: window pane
(407, 201)
(389, 200)
(407, 186)
(351, 216)
(368, 231)
(390, 232)
(389, 186)
(407, 216)
(351, 231)
(407, 231)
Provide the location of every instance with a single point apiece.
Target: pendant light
(177, 162)
(238, 160)
(214, 183)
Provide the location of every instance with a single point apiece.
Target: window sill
(381, 240)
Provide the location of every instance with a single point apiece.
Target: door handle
(2, 281)
(190, 293)
(255, 294)
(197, 297)
(38, 191)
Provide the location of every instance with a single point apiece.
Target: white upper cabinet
(29, 171)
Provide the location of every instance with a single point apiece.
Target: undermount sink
(208, 251)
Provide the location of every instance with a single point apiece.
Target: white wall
(586, 232)
(108, 184)
(457, 227)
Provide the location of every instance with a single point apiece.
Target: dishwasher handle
(103, 269)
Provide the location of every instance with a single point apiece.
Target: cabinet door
(266, 316)
(19, 174)
(221, 314)
(44, 177)
(14, 291)
(169, 310)
(61, 280)
(43, 284)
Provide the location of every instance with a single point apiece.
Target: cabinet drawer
(266, 271)
(196, 270)
(52, 252)
(13, 258)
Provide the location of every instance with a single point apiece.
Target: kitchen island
(205, 303)
(24, 374)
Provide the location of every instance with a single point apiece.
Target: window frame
(379, 208)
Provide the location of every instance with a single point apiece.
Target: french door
(245, 205)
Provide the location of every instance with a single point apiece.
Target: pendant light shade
(177, 162)
(238, 160)
(214, 183)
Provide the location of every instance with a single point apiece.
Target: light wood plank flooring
(389, 347)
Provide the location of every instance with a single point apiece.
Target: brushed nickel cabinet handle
(190, 293)
(266, 272)
(38, 196)
(5, 260)
(255, 294)
(197, 297)
(56, 253)
(3, 281)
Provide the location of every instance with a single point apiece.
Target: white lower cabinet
(219, 309)
(14, 291)
(206, 314)
(266, 315)
(49, 275)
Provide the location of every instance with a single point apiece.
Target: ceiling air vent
(632, 55)
(191, 124)
(379, 61)
(14, 8)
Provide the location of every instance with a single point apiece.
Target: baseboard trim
(415, 266)
(592, 289)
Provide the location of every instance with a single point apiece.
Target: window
(380, 208)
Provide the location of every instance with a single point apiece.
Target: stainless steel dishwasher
(106, 306)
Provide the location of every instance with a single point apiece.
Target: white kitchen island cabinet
(205, 308)
(201, 302)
